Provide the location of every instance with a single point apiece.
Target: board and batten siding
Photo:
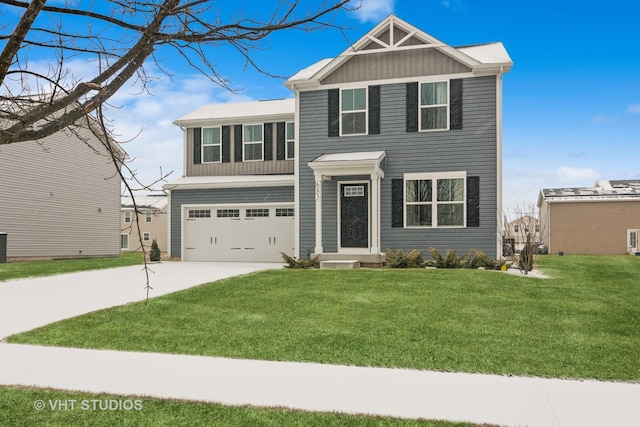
(60, 198)
(392, 65)
(220, 196)
(232, 167)
(472, 149)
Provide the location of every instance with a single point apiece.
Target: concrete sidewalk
(510, 401)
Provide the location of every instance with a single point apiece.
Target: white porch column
(375, 213)
(318, 195)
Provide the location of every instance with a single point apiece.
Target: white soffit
(235, 181)
(240, 110)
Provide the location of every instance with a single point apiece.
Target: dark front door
(354, 215)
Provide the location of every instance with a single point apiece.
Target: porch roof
(354, 163)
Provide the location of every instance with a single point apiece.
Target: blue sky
(571, 101)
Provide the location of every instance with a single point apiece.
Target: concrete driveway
(26, 304)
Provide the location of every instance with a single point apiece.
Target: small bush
(450, 260)
(298, 263)
(478, 259)
(525, 261)
(154, 255)
(400, 259)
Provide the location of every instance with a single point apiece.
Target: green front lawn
(18, 408)
(581, 323)
(19, 270)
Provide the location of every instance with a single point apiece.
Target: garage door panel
(242, 233)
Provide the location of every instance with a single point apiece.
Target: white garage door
(237, 233)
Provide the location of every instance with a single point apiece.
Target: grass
(581, 323)
(17, 408)
(19, 270)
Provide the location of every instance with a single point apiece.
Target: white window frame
(245, 143)
(289, 139)
(365, 110)
(434, 177)
(148, 216)
(146, 236)
(122, 247)
(219, 145)
(446, 105)
(127, 217)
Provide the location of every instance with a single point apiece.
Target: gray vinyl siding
(219, 196)
(60, 198)
(269, 167)
(472, 149)
(397, 64)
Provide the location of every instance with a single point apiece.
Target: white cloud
(634, 109)
(603, 119)
(374, 10)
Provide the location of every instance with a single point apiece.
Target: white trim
(127, 211)
(296, 178)
(499, 251)
(169, 223)
(434, 177)
(287, 140)
(245, 143)
(234, 181)
(367, 249)
(146, 236)
(380, 82)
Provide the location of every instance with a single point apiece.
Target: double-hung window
(252, 143)
(353, 111)
(291, 138)
(434, 106)
(211, 145)
(435, 200)
(127, 217)
(148, 216)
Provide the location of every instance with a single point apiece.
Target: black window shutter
(455, 113)
(268, 141)
(197, 146)
(226, 144)
(412, 107)
(281, 149)
(473, 201)
(237, 143)
(334, 112)
(374, 110)
(397, 203)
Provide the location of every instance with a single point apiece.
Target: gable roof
(395, 35)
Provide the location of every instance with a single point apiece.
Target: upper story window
(434, 106)
(291, 138)
(211, 145)
(148, 216)
(353, 111)
(435, 200)
(252, 143)
(127, 216)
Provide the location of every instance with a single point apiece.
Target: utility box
(3, 248)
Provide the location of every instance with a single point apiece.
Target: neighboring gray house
(398, 144)
(60, 198)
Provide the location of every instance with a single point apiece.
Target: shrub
(478, 259)
(525, 261)
(154, 255)
(450, 260)
(400, 259)
(298, 263)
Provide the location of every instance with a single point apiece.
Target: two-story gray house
(395, 143)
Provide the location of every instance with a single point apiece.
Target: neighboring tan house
(60, 197)
(152, 215)
(395, 143)
(603, 219)
(516, 231)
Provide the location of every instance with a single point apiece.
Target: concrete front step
(340, 264)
